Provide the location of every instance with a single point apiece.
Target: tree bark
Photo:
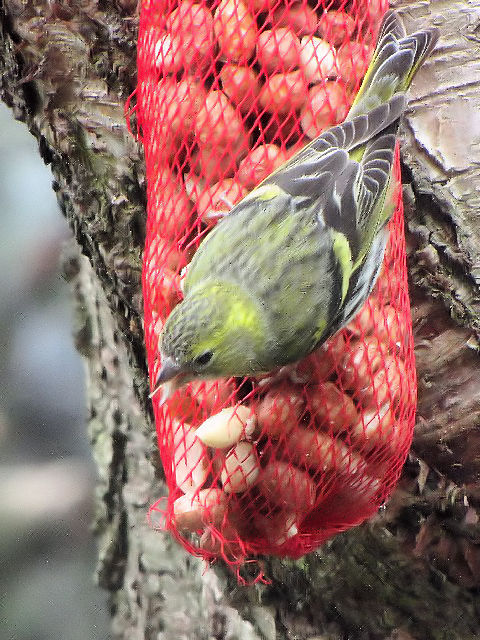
(441, 133)
(66, 71)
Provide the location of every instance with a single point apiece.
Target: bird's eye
(203, 359)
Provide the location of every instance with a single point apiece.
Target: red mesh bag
(227, 90)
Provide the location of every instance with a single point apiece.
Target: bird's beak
(169, 371)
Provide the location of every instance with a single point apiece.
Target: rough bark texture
(66, 70)
(441, 150)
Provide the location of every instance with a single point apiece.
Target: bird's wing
(325, 178)
(342, 175)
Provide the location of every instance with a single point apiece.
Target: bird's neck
(240, 321)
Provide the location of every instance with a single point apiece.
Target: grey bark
(412, 572)
(441, 150)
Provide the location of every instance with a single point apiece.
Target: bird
(295, 259)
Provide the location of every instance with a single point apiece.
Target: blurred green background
(47, 477)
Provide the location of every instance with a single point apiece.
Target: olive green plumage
(297, 257)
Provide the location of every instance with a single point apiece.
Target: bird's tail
(395, 61)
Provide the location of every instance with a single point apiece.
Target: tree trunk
(66, 71)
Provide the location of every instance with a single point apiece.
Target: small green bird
(295, 260)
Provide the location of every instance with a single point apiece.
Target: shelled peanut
(194, 511)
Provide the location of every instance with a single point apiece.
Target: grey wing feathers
(361, 284)
(422, 42)
(376, 166)
(359, 191)
(341, 191)
(311, 172)
(392, 25)
(356, 132)
(396, 59)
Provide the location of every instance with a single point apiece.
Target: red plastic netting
(227, 90)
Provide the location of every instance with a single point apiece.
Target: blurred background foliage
(47, 476)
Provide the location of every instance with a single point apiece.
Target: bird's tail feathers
(395, 61)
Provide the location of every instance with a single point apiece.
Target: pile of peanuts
(227, 92)
(330, 425)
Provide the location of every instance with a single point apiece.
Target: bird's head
(215, 332)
